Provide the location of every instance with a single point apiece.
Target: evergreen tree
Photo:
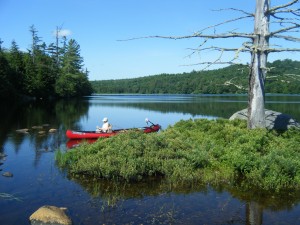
(1, 45)
(43, 71)
(6, 88)
(16, 62)
(72, 61)
(73, 81)
(29, 77)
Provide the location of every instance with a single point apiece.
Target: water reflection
(254, 213)
(211, 105)
(207, 203)
(38, 118)
(38, 181)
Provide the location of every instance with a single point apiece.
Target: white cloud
(62, 33)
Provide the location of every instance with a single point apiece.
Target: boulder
(274, 120)
(47, 215)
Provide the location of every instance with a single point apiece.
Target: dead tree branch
(284, 50)
(288, 25)
(276, 8)
(198, 35)
(225, 22)
(288, 38)
(238, 86)
(285, 29)
(237, 10)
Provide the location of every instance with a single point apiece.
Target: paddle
(148, 121)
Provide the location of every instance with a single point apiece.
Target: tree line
(283, 77)
(44, 71)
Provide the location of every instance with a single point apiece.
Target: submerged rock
(24, 131)
(52, 130)
(2, 155)
(37, 127)
(47, 215)
(274, 120)
(7, 174)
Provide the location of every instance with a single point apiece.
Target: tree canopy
(44, 70)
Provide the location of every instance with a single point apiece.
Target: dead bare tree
(260, 48)
(285, 19)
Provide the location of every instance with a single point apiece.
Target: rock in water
(7, 174)
(47, 215)
(52, 130)
(23, 131)
(37, 127)
(2, 155)
(274, 120)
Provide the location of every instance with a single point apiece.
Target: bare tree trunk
(256, 96)
(56, 47)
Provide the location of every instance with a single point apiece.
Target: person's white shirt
(105, 127)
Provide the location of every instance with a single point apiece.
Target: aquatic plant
(207, 151)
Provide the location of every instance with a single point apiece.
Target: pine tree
(16, 62)
(6, 87)
(72, 61)
(73, 81)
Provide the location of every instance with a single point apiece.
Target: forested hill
(283, 77)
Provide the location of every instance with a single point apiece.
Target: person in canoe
(106, 127)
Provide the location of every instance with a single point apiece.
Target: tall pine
(73, 81)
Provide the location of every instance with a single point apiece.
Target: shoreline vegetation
(194, 151)
(283, 78)
(44, 71)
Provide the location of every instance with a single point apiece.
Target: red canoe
(94, 135)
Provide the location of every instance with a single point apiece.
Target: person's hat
(105, 119)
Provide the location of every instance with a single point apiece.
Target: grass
(207, 151)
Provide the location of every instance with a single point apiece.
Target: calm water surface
(37, 181)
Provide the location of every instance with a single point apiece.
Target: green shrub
(214, 151)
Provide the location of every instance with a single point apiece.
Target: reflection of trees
(284, 200)
(256, 201)
(254, 213)
(209, 108)
(43, 115)
(123, 190)
(218, 105)
(68, 112)
(8, 117)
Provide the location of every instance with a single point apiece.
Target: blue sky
(97, 25)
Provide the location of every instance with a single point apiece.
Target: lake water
(37, 181)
